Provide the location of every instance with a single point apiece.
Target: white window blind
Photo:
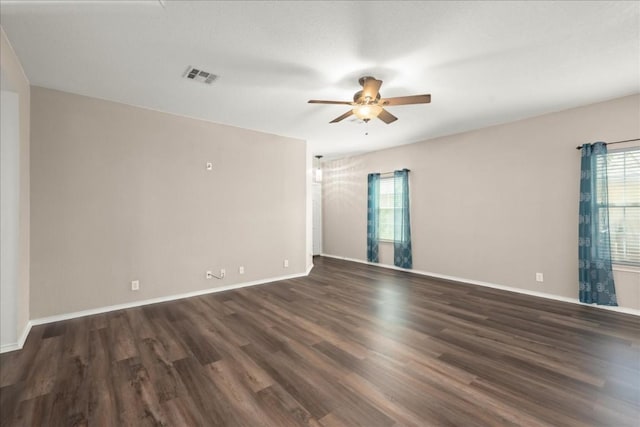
(623, 179)
(386, 209)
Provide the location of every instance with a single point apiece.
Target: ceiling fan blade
(370, 88)
(404, 100)
(316, 101)
(386, 116)
(342, 117)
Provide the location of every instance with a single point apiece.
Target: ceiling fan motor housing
(359, 99)
(363, 79)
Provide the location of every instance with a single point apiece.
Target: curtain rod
(391, 173)
(614, 142)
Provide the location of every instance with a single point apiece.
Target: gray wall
(121, 193)
(14, 80)
(494, 205)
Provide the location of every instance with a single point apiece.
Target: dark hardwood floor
(350, 345)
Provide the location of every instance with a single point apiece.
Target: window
(623, 178)
(386, 209)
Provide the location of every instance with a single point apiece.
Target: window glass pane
(624, 224)
(386, 224)
(386, 193)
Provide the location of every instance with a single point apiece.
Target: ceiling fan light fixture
(367, 111)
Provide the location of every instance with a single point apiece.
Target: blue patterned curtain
(373, 219)
(594, 250)
(401, 224)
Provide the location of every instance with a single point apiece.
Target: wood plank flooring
(350, 345)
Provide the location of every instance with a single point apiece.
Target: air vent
(199, 75)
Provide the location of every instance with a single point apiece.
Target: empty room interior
(320, 213)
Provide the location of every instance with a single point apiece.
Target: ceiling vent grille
(199, 75)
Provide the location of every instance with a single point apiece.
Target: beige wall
(15, 80)
(121, 193)
(494, 205)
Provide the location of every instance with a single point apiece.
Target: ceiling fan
(368, 104)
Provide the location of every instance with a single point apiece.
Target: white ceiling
(483, 62)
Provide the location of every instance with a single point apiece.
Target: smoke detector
(202, 76)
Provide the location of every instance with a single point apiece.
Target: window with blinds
(386, 209)
(623, 179)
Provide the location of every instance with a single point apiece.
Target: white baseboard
(66, 316)
(491, 285)
(20, 343)
(5, 348)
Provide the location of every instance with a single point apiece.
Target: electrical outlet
(286, 263)
(209, 275)
(222, 272)
(241, 270)
(539, 277)
(135, 285)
